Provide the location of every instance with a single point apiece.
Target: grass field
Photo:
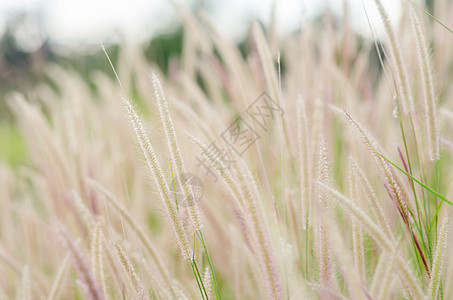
(312, 165)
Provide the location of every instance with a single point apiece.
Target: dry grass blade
(88, 281)
(131, 275)
(58, 282)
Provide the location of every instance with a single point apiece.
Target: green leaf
(416, 180)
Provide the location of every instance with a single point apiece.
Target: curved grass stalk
(357, 237)
(386, 280)
(175, 151)
(159, 180)
(401, 74)
(269, 73)
(377, 275)
(364, 184)
(395, 187)
(247, 200)
(438, 262)
(259, 229)
(428, 89)
(304, 161)
(325, 263)
(86, 276)
(25, 290)
(128, 270)
(97, 256)
(58, 282)
(84, 213)
(431, 16)
(156, 171)
(149, 246)
(232, 184)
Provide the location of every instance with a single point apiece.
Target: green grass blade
(217, 293)
(416, 180)
(431, 16)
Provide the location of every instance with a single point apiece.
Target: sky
(78, 22)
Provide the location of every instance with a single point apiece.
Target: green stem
(415, 179)
(217, 293)
(198, 280)
(195, 267)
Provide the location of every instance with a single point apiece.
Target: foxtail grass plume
(429, 95)
(438, 262)
(230, 182)
(159, 180)
(25, 287)
(304, 161)
(403, 87)
(259, 228)
(97, 256)
(130, 274)
(396, 190)
(155, 170)
(325, 264)
(175, 151)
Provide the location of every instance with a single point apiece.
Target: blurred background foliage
(23, 58)
(21, 69)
